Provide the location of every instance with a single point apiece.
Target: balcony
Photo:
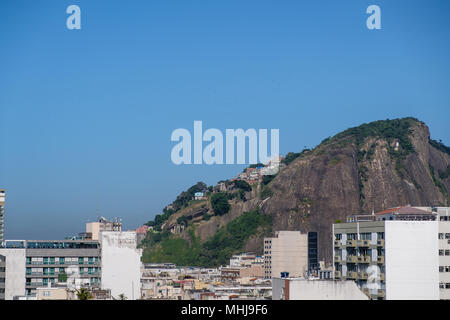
(352, 259)
(380, 243)
(337, 259)
(67, 263)
(337, 243)
(364, 259)
(352, 275)
(351, 243)
(380, 259)
(35, 284)
(363, 243)
(337, 274)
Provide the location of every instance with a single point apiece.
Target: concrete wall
(289, 253)
(14, 273)
(301, 289)
(52, 294)
(411, 260)
(94, 229)
(121, 263)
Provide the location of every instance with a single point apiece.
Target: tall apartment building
(392, 254)
(2, 217)
(286, 252)
(112, 263)
(2, 276)
(46, 260)
(443, 215)
(313, 253)
(39, 263)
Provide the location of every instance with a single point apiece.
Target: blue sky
(86, 115)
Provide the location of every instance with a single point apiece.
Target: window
(352, 236)
(380, 235)
(28, 271)
(45, 260)
(61, 260)
(447, 236)
(80, 260)
(447, 252)
(441, 252)
(447, 285)
(91, 260)
(366, 236)
(52, 260)
(441, 236)
(338, 236)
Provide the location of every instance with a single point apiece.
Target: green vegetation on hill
(241, 184)
(231, 238)
(219, 203)
(390, 130)
(228, 240)
(182, 201)
(291, 156)
(440, 146)
(437, 182)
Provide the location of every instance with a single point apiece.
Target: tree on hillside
(219, 203)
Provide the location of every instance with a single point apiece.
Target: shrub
(219, 203)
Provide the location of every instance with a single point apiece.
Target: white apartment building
(392, 254)
(121, 263)
(443, 218)
(286, 252)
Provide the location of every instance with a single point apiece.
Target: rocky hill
(363, 169)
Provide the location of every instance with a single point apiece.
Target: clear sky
(86, 115)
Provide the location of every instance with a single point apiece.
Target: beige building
(51, 293)
(93, 229)
(287, 252)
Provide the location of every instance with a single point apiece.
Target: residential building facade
(2, 217)
(390, 255)
(2, 276)
(286, 252)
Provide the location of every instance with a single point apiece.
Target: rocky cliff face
(368, 168)
(351, 174)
